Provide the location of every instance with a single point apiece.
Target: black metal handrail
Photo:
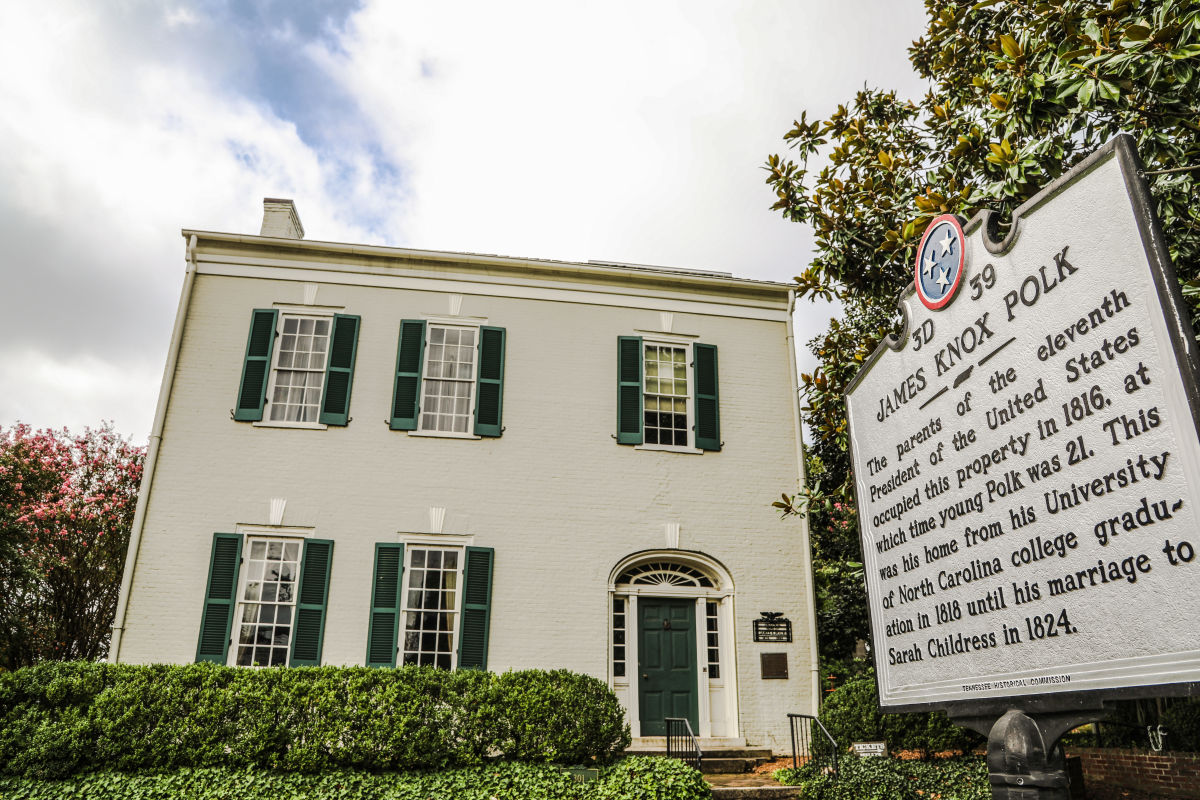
(681, 742)
(812, 744)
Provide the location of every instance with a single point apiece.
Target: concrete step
(756, 793)
(750, 787)
(728, 766)
(762, 753)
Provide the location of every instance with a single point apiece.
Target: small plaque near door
(772, 627)
(774, 665)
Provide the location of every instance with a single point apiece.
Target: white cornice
(474, 262)
(481, 284)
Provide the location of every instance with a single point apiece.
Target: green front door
(666, 663)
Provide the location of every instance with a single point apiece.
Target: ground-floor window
(430, 606)
(714, 643)
(267, 601)
(618, 633)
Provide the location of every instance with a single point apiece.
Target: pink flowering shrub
(66, 508)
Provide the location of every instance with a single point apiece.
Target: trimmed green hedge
(62, 719)
(964, 778)
(851, 714)
(632, 779)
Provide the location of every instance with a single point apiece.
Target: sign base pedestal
(1024, 759)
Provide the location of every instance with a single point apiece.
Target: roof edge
(606, 269)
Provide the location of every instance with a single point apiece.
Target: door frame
(722, 592)
(725, 615)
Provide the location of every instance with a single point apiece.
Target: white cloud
(107, 154)
(627, 131)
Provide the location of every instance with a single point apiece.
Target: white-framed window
(448, 388)
(265, 613)
(298, 369)
(620, 630)
(713, 639)
(666, 404)
(429, 606)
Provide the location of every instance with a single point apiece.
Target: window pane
(429, 602)
(665, 391)
(265, 604)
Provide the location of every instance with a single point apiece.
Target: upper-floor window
(667, 394)
(300, 365)
(298, 374)
(449, 379)
(665, 413)
(448, 391)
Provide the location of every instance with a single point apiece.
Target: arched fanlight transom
(665, 573)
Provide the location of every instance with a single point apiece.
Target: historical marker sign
(1026, 457)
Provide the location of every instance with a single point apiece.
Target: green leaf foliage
(964, 778)
(1019, 92)
(851, 714)
(635, 778)
(61, 719)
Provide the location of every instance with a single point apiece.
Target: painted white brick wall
(556, 497)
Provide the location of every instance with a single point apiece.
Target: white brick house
(372, 455)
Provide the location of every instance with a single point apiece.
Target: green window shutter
(708, 413)
(219, 598)
(476, 608)
(252, 391)
(489, 387)
(406, 396)
(339, 370)
(384, 629)
(311, 595)
(629, 390)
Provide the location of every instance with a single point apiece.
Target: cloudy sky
(623, 131)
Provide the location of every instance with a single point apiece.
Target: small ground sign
(869, 749)
(1026, 457)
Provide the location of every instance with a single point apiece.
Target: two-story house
(382, 456)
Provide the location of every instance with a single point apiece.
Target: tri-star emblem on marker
(941, 261)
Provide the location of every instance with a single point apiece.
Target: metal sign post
(1026, 458)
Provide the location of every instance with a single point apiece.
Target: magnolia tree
(66, 508)
(1019, 92)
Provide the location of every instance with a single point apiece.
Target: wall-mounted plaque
(772, 627)
(1026, 458)
(774, 665)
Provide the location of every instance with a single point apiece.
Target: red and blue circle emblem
(941, 260)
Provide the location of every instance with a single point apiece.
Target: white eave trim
(477, 261)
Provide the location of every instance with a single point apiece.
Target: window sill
(444, 435)
(667, 448)
(311, 426)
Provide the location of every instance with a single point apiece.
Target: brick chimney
(280, 219)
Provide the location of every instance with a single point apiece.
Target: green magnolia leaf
(1085, 93)
(1187, 51)
(1010, 46)
(1108, 91)
(1137, 33)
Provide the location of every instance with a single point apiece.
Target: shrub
(851, 714)
(61, 719)
(964, 778)
(1182, 723)
(651, 779)
(633, 779)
